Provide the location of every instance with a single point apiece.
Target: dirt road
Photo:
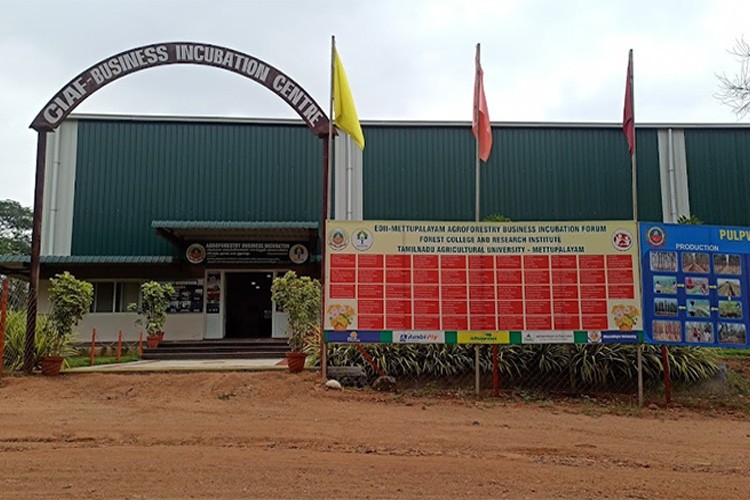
(279, 435)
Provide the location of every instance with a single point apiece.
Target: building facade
(219, 207)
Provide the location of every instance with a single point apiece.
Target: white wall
(675, 195)
(59, 181)
(347, 178)
(185, 326)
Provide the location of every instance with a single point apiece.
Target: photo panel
(696, 286)
(727, 264)
(730, 309)
(699, 332)
(665, 307)
(667, 331)
(665, 285)
(695, 262)
(663, 261)
(698, 308)
(728, 287)
(732, 333)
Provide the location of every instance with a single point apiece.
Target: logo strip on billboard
(468, 337)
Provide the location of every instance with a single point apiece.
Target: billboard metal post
(495, 372)
(476, 370)
(640, 375)
(667, 376)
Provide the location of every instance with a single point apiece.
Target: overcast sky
(543, 60)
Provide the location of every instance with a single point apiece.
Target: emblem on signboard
(622, 240)
(594, 337)
(338, 239)
(656, 237)
(298, 254)
(195, 253)
(362, 239)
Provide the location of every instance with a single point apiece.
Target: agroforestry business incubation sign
(125, 63)
(460, 282)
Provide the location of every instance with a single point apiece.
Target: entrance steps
(219, 349)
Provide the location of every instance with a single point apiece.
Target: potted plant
(152, 311)
(70, 299)
(300, 299)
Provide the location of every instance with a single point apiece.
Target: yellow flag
(344, 113)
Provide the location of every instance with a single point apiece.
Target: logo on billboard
(195, 253)
(622, 240)
(298, 254)
(338, 239)
(419, 337)
(656, 237)
(594, 337)
(362, 239)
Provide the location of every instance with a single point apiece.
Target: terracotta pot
(295, 361)
(160, 336)
(152, 342)
(51, 365)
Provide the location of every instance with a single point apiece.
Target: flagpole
(634, 189)
(325, 213)
(664, 350)
(476, 159)
(476, 198)
(330, 123)
(634, 173)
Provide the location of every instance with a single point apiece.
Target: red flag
(628, 119)
(481, 121)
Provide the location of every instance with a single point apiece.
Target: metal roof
(178, 232)
(231, 224)
(88, 259)
(396, 123)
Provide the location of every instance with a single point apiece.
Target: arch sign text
(149, 56)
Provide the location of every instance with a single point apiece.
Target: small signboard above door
(247, 252)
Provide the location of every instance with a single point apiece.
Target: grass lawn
(78, 361)
(731, 353)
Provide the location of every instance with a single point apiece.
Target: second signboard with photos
(696, 284)
(531, 282)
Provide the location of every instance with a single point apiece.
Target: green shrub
(300, 299)
(152, 311)
(692, 220)
(15, 340)
(594, 366)
(71, 299)
(496, 218)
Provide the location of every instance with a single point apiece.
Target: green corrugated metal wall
(245, 172)
(130, 173)
(533, 174)
(718, 164)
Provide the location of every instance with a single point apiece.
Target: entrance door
(248, 305)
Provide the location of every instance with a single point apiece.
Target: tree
(15, 228)
(734, 91)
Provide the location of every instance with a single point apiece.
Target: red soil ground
(235, 435)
